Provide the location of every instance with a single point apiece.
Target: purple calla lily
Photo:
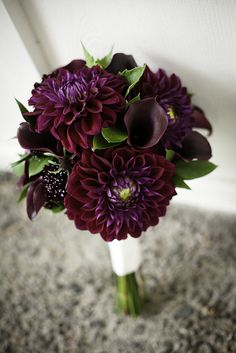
(194, 145)
(146, 122)
(120, 62)
(200, 121)
(44, 142)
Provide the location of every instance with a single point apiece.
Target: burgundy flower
(120, 62)
(75, 102)
(195, 146)
(119, 192)
(146, 122)
(46, 189)
(173, 98)
(200, 121)
(33, 141)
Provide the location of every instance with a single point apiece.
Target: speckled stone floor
(57, 290)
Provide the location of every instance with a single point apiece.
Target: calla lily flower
(200, 121)
(43, 142)
(146, 122)
(120, 62)
(194, 145)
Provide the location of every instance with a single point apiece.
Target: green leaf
(179, 182)
(18, 169)
(24, 158)
(23, 110)
(57, 208)
(194, 169)
(170, 155)
(99, 143)
(132, 76)
(133, 100)
(37, 164)
(105, 61)
(114, 134)
(23, 193)
(88, 57)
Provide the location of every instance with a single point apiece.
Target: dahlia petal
(103, 178)
(118, 162)
(157, 172)
(43, 122)
(91, 125)
(75, 65)
(110, 115)
(80, 224)
(89, 184)
(94, 106)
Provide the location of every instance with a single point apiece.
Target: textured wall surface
(194, 39)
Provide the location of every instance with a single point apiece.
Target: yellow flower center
(125, 194)
(171, 113)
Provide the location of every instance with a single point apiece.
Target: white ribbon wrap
(126, 256)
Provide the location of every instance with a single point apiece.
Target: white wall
(17, 73)
(194, 39)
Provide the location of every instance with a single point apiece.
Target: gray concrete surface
(57, 291)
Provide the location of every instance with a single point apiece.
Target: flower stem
(129, 298)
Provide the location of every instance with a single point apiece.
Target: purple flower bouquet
(108, 142)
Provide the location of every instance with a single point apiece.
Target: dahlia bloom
(173, 98)
(121, 191)
(75, 102)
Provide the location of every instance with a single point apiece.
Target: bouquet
(107, 142)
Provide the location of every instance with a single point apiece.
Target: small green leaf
(99, 143)
(88, 57)
(133, 100)
(132, 76)
(23, 110)
(194, 169)
(114, 134)
(23, 193)
(18, 169)
(170, 155)
(24, 157)
(105, 61)
(37, 164)
(179, 182)
(57, 208)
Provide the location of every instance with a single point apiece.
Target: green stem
(129, 299)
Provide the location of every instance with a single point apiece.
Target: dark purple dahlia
(75, 102)
(119, 192)
(173, 98)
